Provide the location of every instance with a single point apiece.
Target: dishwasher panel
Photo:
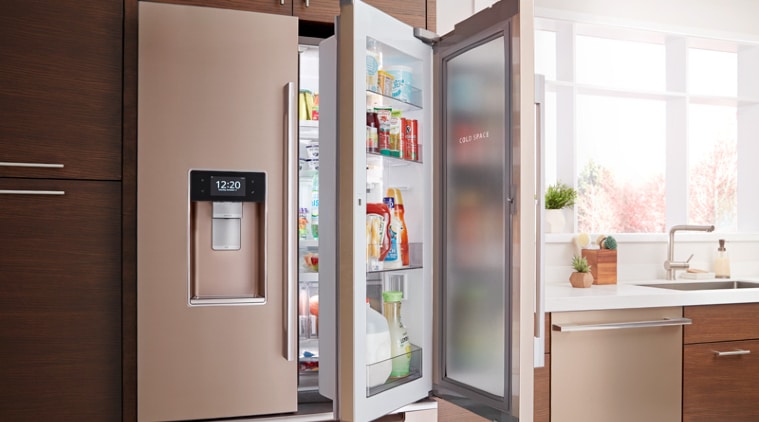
(617, 365)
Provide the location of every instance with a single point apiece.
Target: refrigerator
(235, 317)
(216, 211)
(468, 203)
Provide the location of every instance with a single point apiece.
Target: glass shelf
(308, 277)
(415, 372)
(393, 161)
(376, 99)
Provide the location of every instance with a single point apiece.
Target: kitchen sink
(706, 285)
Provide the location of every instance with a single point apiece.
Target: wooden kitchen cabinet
(277, 7)
(60, 88)
(417, 13)
(60, 300)
(411, 12)
(720, 363)
(61, 92)
(316, 10)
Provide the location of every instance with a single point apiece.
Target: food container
(386, 81)
(402, 82)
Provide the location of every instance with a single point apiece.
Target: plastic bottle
(399, 247)
(372, 131)
(378, 349)
(372, 65)
(400, 347)
(395, 133)
(315, 206)
(303, 223)
(722, 261)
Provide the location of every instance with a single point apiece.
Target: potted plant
(582, 276)
(558, 196)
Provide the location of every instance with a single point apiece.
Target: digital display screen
(227, 186)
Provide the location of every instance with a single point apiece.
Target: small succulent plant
(580, 264)
(609, 243)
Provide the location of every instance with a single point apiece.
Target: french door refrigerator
(433, 203)
(216, 212)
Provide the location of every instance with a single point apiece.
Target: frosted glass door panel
(476, 241)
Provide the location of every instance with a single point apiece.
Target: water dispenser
(227, 255)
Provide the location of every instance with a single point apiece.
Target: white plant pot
(555, 221)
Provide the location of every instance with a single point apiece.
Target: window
(647, 125)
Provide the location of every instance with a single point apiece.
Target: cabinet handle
(282, 2)
(736, 352)
(667, 322)
(308, 3)
(31, 165)
(31, 192)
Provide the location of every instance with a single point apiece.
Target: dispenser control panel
(227, 186)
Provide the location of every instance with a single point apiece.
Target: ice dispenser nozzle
(225, 228)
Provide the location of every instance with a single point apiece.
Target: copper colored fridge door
(217, 91)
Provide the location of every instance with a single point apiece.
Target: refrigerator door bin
(415, 372)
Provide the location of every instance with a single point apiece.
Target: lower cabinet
(60, 300)
(720, 363)
(542, 393)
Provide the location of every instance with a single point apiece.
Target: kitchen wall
(451, 11)
(641, 257)
(730, 19)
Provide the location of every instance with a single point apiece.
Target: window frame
(678, 98)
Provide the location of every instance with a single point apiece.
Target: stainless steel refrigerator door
(217, 91)
(478, 236)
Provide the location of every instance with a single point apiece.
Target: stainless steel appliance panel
(212, 95)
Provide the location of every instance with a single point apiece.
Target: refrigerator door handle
(539, 327)
(291, 218)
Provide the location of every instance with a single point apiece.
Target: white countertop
(629, 294)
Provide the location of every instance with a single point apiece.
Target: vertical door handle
(291, 217)
(308, 3)
(539, 334)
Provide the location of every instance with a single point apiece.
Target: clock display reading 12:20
(227, 186)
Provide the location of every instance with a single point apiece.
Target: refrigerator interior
(308, 219)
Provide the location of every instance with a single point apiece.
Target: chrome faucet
(670, 265)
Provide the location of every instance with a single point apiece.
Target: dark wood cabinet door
(412, 12)
(60, 88)
(729, 322)
(720, 388)
(542, 397)
(277, 7)
(316, 10)
(60, 300)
